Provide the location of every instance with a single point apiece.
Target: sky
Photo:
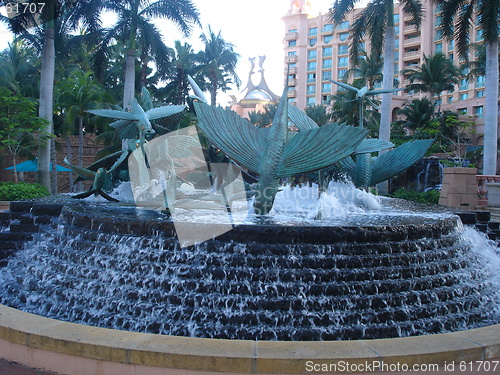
(254, 27)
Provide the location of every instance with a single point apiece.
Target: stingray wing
(235, 136)
(300, 119)
(120, 124)
(112, 113)
(318, 148)
(395, 161)
(373, 145)
(165, 111)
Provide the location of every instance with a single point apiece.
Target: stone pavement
(10, 368)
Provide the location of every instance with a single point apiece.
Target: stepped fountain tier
(388, 273)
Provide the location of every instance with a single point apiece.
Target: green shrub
(12, 191)
(424, 197)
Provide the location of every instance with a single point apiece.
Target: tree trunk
(387, 83)
(70, 174)
(213, 89)
(491, 110)
(46, 103)
(15, 168)
(129, 85)
(144, 68)
(80, 148)
(53, 160)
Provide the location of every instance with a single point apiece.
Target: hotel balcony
(412, 41)
(293, 35)
(291, 94)
(293, 70)
(292, 82)
(290, 59)
(411, 55)
(410, 28)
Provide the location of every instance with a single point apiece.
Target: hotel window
(326, 75)
(480, 81)
(464, 96)
(341, 73)
(396, 30)
(478, 111)
(464, 85)
(311, 65)
(396, 43)
(327, 39)
(396, 18)
(450, 99)
(327, 51)
(311, 101)
(311, 77)
(326, 100)
(343, 36)
(396, 68)
(292, 53)
(327, 28)
(313, 41)
(451, 45)
(480, 94)
(292, 43)
(343, 62)
(327, 64)
(462, 111)
(326, 87)
(313, 31)
(451, 56)
(292, 30)
(439, 34)
(439, 48)
(311, 90)
(343, 49)
(312, 54)
(344, 25)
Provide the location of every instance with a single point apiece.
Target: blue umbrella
(32, 166)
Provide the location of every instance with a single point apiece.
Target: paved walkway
(9, 368)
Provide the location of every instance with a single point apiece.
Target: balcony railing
(291, 93)
(291, 59)
(292, 35)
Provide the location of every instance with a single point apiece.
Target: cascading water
(352, 274)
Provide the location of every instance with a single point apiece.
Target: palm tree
(418, 113)
(77, 94)
(436, 74)
(218, 64)
(19, 67)
(318, 114)
(377, 20)
(369, 68)
(47, 20)
(134, 27)
(183, 63)
(457, 18)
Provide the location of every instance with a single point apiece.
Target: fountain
(273, 290)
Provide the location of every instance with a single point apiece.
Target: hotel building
(317, 51)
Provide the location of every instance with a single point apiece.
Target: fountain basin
(29, 338)
(71, 348)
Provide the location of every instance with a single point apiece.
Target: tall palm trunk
(129, 86)
(388, 79)
(491, 110)
(387, 83)
(213, 89)
(46, 104)
(80, 148)
(70, 173)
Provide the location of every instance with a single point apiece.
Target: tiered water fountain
(346, 267)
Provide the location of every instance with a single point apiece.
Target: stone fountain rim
(23, 335)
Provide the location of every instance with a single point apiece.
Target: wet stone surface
(122, 267)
